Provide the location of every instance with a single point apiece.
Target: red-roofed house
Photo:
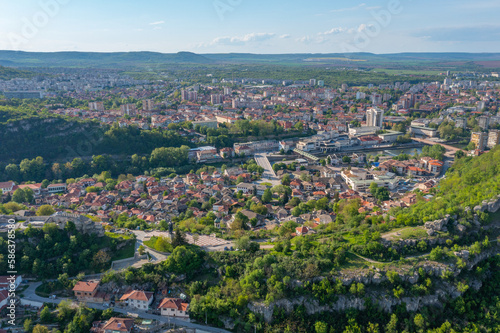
(174, 307)
(118, 325)
(301, 231)
(138, 299)
(85, 291)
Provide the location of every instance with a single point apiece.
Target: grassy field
(406, 71)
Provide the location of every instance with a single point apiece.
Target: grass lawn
(405, 233)
(122, 236)
(125, 252)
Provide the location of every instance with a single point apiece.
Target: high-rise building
(374, 117)
(227, 91)
(216, 99)
(484, 122)
(448, 81)
(479, 139)
(321, 83)
(129, 109)
(312, 82)
(376, 99)
(148, 105)
(96, 106)
(493, 138)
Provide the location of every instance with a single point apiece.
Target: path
(268, 176)
(31, 296)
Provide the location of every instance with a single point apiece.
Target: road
(268, 176)
(31, 296)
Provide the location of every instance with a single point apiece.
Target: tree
(286, 180)
(28, 325)
(267, 196)
(101, 259)
(392, 326)
(179, 239)
(346, 159)
(19, 196)
(45, 315)
(40, 329)
(321, 327)
(45, 210)
(419, 321)
(459, 154)
(242, 243)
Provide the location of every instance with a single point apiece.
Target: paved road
(268, 176)
(31, 296)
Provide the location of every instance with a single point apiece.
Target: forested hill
(7, 73)
(28, 135)
(141, 59)
(470, 181)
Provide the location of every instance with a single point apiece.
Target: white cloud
(157, 23)
(333, 31)
(285, 36)
(241, 40)
(348, 9)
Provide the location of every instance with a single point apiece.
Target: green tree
(45, 210)
(267, 196)
(45, 315)
(321, 327)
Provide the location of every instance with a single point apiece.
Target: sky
(250, 26)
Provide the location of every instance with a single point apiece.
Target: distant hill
(154, 60)
(95, 59)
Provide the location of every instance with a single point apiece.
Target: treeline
(50, 251)
(160, 161)
(53, 137)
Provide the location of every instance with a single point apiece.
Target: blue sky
(256, 26)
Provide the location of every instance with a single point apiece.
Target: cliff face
(383, 299)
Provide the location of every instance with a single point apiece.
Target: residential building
(493, 138)
(96, 106)
(85, 291)
(7, 186)
(128, 110)
(114, 325)
(55, 188)
(138, 299)
(484, 122)
(174, 307)
(479, 139)
(374, 117)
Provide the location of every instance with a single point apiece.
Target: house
(115, 324)
(301, 231)
(174, 307)
(85, 291)
(138, 299)
(55, 188)
(245, 188)
(7, 186)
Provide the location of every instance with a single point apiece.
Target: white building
(374, 117)
(138, 299)
(6, 186)
(174, 307)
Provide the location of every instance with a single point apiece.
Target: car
(226, 249)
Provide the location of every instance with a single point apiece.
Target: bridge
(450, 150)
(305, 154)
